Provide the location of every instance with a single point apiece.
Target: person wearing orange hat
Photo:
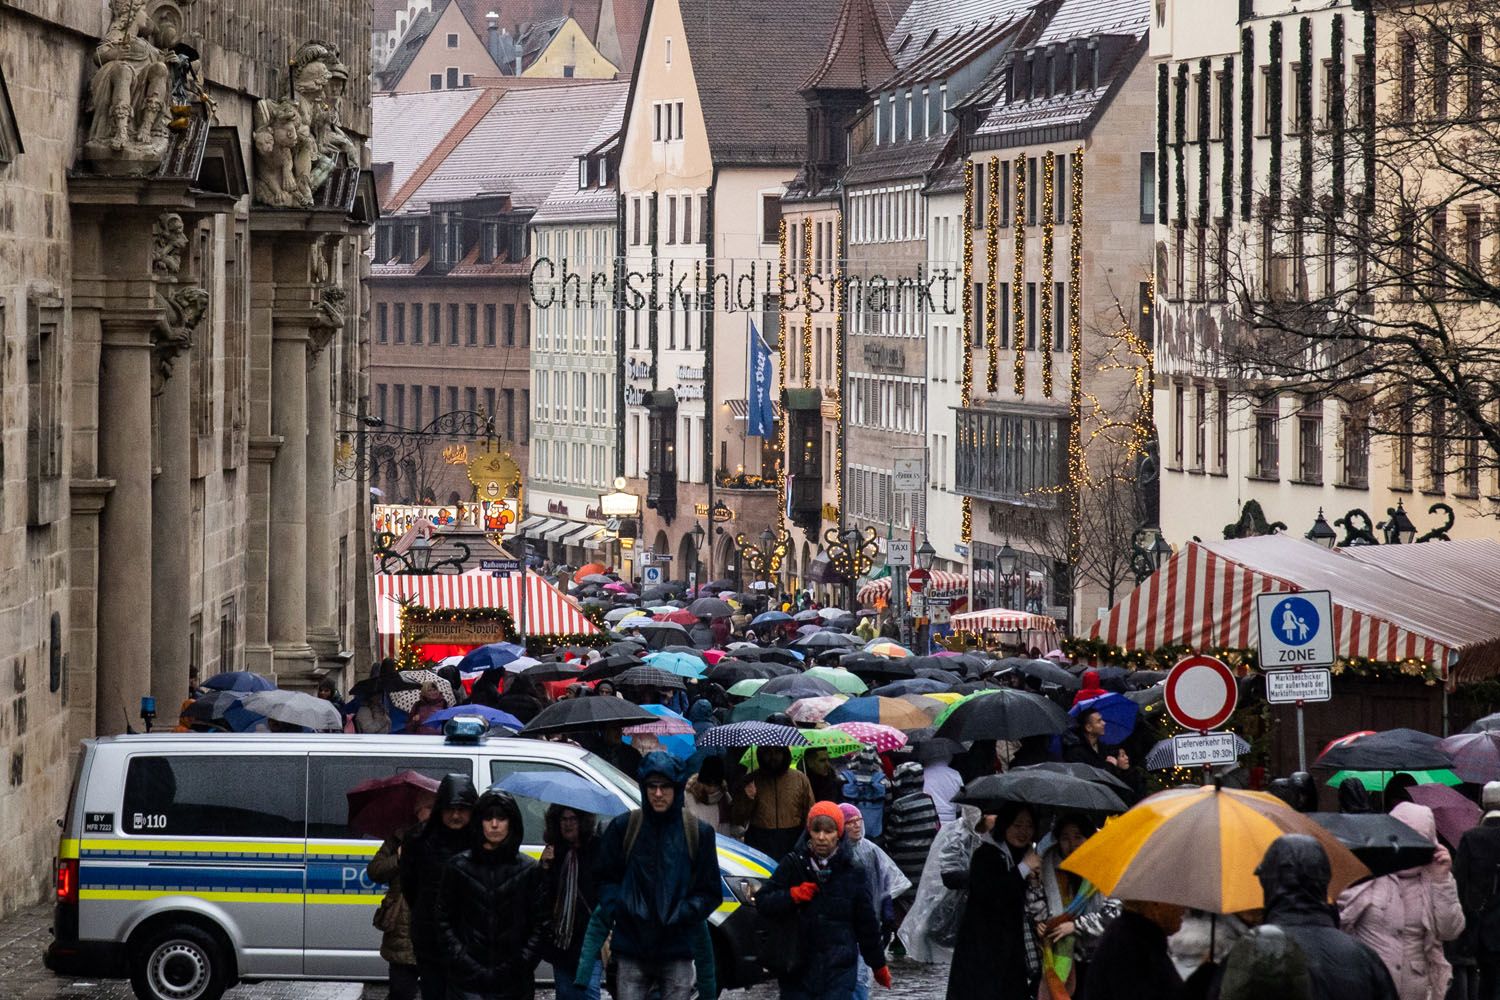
(824, 892)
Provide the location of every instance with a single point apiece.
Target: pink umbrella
(618, 588)
(1453, 813)
(714, 655)
(883, 738)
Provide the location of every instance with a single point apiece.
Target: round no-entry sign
(1201, 693)
(917, 580)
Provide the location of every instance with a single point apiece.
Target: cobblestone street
(24, 936)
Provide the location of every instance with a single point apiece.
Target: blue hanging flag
(761, 413)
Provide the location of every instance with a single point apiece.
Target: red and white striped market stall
(1020, 627)
(548, 611)
(1436, 602)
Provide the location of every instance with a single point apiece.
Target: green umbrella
(1376, 781)
(747, 687)
(836, 742)
(840, 678)
(943, 715)
(759, 708)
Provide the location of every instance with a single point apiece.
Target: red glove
(883, 976)
(805, 892)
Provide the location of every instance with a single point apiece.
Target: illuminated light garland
(781, 374)
(966, 392)
(991, 255)
(807, 312)
(1044, 319)
(409, 656)
(1244, 660)
(1077, 470)
(1017, 315)
(838, 363)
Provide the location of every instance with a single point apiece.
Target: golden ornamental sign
(494, 475)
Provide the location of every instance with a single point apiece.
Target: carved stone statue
(128, 95)
(183, 310)
(298, 164)
(168, 240)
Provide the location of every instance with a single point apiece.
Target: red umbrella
(383, 807)
(681, 616)
(1453, 813)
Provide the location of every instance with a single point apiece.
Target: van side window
(216, 796)
(533, 811)
(330, 779)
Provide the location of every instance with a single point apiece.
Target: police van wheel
(179, 962)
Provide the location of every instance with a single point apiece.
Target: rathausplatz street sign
(1207, 748)
(1200, 693)
(1287, 687)
(1296, 629)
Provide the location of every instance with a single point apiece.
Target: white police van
(190, 862)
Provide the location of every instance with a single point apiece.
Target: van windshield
(614, 776)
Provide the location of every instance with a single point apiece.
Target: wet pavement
(24, 935)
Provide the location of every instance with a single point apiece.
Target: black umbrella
(650, 677)
(771, 654)
(916, 685)
(971, 664)
(689, 650)
(1391, 750)
(870, 665)
(933, 748)
(1485, 724)
(1049, 673)
(711, 607)
(1383, 843)
(1087, 772)
(1005, 715)
(630, 646)
(798, 686)
(947, 678)
(553, 672)
(751, 734)
(608, 666)
(719, 585)
(1039, 788)
(656, 592)
(729, 672)
(575, 714)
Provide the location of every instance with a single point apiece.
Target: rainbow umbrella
(892, 712)
(887, 648)
(1199, 847)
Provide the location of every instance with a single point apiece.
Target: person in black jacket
(424, 854)
(1294, 875)
(1086, 746)
(1476, 868)
(996, 954)
(658, 878)
(491, 911)
(822, 888)
(568, 874)
(1131, 961)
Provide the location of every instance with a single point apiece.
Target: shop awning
(532, 521)
(548, 612)
(578, 533)
(558, 530)
(739, 409)
(1435, 602)
(1002, 620)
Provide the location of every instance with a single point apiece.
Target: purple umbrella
(1453, 813)
(1476, 756)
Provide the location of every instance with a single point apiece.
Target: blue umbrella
(493, 716)
(562, 788)
(855, 710)
(681, 664)
(679, 745)
(770, 618)
(238, 680)
(1119, 712)
(495, 654)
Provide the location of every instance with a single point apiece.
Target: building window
(1179, 423)
(435, 81)
(770, 218)
(434, 314)
(1356, 450)
(1474, 74)
(1267, 445)
(416, 323)
(1402, 463)
(1059, 317)
(452, 77)
(1031, 313)
(471, 315)
(1033, 191)
(399, 310)
(1200, 427)
(1221, 430)
(671, 220)
(1406, 78)
(509, 327)
(45, 499)
(489, 324)
(452, 39)
(382, 324)
(1310, 443)
(1436, 441)
(1295, 123)
(1469, 470)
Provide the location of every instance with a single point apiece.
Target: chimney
(493, 40)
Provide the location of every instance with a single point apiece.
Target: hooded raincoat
(424, 855)
(931, 925)
(1294, 876)
(1407, 915)
(658, 893)
(492, 912)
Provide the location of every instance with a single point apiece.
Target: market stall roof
(1424, 603)
(548, 612)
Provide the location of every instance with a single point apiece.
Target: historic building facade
(183, 330)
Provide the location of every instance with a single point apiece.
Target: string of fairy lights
(1076, 468)
(807, 310)
(1049, 169)
(966, 387)
(1017, 303)
(991, 254)
(781, 342)
(837, 392)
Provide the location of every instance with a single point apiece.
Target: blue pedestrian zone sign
(1296, 630)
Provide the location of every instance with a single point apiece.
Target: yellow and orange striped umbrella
(1199, 847)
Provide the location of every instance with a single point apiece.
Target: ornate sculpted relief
(299, 142)
(183, 310)
(168, 240)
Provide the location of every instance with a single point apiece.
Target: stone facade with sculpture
(182, 302)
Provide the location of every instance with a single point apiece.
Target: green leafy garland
(1304, 114)
(1179, 140)
(1336, 111)
(1205, 111)
(1164, 657)
(1162, 77)
(409, 655)
(1247, 121)
(1226, 115)
(1274, 116)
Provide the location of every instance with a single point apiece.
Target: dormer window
(603, 171)
(877, 120)
(489, 244)
(585, 178)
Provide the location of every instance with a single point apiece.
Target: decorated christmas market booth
(427, 617)
(1416, 627)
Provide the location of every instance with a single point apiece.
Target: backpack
(689, 832)
(865, 790)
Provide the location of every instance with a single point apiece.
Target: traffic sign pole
(1295, 631)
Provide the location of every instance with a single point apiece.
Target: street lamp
(1399, 530)
(697, 534)
(925, 555)
(1322, 532)
(1007, 560)
(421, 553)
(767, 542)
(1161, 551)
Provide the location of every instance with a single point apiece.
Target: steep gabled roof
(408, 127)
(929, 22)
(411, 43)
(857, 58)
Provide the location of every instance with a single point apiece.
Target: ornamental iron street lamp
(417, 559)
(763, 560)
(1149, 552)
(1008, 560)
(1322, 532)
(1398, 529)
(925, 554)
(851, 554)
